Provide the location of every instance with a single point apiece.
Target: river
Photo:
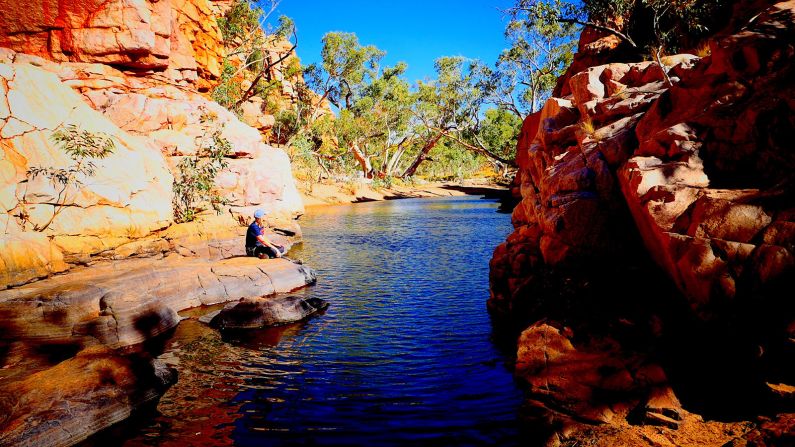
(404, 355)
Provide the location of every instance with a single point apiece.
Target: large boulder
(254, 313)
(74, 399)
(124, 303)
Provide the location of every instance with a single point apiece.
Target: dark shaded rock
(67, 403)
(652, 255)
(253, 313)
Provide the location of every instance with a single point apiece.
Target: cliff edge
(651, 264)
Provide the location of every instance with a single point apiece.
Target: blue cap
(259, 213)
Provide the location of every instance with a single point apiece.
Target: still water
(404, 355)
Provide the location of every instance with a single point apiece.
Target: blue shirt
(254, 230)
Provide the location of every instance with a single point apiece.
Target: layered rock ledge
(74, 362)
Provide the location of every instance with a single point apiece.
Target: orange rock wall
(180, 37)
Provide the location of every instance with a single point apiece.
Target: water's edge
(405, 354)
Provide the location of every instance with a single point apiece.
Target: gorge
(639, 299)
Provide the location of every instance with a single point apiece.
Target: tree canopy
(385, 126)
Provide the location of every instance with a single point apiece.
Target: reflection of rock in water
(212, 369)
(262, 338)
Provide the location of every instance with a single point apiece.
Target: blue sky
(414, 31)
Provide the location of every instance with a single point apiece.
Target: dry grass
(621, 92)
(350, 188)
(704, 50)
(589, 129)
(587, 126)
(668, 61)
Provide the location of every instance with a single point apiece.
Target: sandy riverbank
(340, 193)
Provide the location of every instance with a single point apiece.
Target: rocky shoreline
(76, 349)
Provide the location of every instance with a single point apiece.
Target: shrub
(227, 93)
(387, 182)
(82, 147)
(239, 20)
(194, 182)
(588, 127)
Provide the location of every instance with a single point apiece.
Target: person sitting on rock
(257, 244)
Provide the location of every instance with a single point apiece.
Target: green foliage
(644, 24)
(528, 70)
(500, 132)
(254, 60)
(195, 178)
(293, 69)
(451, 162)
(347, 66)
(239, 20)
(285, 28)
(679, 23)
(227, 93)
(382, 122)
(386, 182)
(82, 147)
(374, 105)
(285, 126)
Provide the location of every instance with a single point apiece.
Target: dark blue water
(403, 356)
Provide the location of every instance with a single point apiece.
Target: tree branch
(250, 91)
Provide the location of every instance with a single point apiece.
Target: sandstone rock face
(180, 37)
(65, 372)
(696, 177)
(253, 313)
(128, 199)
(129, 195)
(162, 52)
(73, 347)
(127, 302)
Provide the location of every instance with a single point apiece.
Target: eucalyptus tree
(444, 104)
(346, 68)
(450, 107)
(386, 104)
(247, 36)
(527, 71)
(655, 25)
(373, 103)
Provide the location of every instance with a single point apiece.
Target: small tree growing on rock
(194, 181)
(247, 39)
(83, 147)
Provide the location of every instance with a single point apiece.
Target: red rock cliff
(138, 72)
(653, 251)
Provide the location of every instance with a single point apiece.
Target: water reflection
(402, 356)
